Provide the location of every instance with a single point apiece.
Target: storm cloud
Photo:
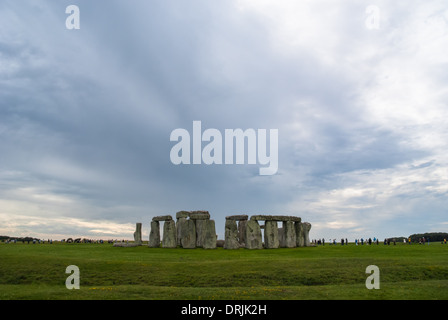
(86, 115)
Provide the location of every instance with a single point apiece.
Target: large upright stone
(138, 234)
(271, 240)
(281, 237)
(180, 226)
(253, 235)
(209, 233)
(200, 234)
(289, 234)
(188, 234)
(231, 235)
(302, 234)
(154, 235)
(169, 234)
(306, 231)
(242, 231)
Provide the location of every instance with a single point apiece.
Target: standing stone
(302, 230)
(154, 235)
(299, 235)
(188, 234)
(138, 234)
(169, 234)
(242, 232)
(306, 233)
(231, 235)
(200, 232)
(271, 235)
(180, 225)
(209, 232)
(289, 234)
(253, 235)
(281, 237)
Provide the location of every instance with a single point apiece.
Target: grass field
(407, 272)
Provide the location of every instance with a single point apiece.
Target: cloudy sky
(357, 90)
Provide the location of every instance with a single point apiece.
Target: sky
(356, 89)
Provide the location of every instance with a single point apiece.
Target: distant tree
(432, 236)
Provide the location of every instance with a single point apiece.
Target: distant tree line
(21, 239)
(431, 236)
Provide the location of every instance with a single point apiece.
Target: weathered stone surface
(231, 235)
(209, 233)
(253, 235)
(275, 218)
(199, 232)
(271, 240)
(242, 232)
(220, 243)
(281, 238)
(180, 225)
(124, 244)
(169, 234)
(199, 216)
(289, 234)
(182, 214)
(138, 234)
(154, 235)
(302, 234)
(306, 231)
(188, 234)
(162, 218)
(238, 217)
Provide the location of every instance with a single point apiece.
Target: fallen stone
(220, 243)
(124, 244)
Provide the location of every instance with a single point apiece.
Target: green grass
(37, 271)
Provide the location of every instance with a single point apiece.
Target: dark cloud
(86, 115)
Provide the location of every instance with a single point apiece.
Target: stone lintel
(238, 217)
(275, 218)
(163, 218)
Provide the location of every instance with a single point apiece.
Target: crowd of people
(370, 241)
(50, 241)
